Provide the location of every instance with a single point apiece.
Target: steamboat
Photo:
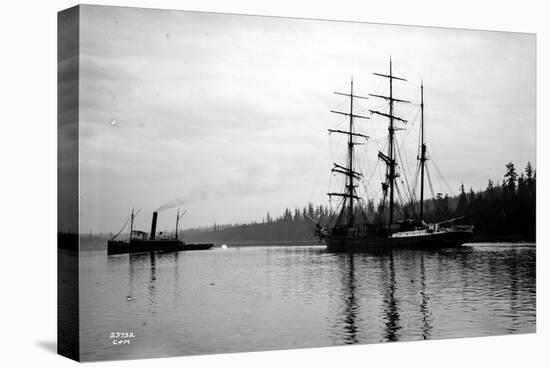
(140, 241)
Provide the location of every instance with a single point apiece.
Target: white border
(28, 161)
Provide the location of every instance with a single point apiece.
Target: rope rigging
(430, 182)
(122, 229)
(451, 191)
(406, 183)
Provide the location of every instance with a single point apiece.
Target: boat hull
(123, 247)
(379, 243)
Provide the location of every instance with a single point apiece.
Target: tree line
(291, 225)
(505, 208)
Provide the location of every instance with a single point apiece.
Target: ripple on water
(286, 297)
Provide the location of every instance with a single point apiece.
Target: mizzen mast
(390, 159)
(422, 157)
(348, 171)
(178, 217)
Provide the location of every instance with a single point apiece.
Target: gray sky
(227, 115)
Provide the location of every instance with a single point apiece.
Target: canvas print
(235, 183)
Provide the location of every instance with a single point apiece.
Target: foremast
(389, 158)
(351, 174)
(132, 217)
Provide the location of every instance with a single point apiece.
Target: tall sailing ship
(350, 228)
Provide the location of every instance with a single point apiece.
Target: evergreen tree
(310, 210)
(529, 172)
(441, 204)
(370, 207)
(297, 217)
(522, 186)
(472, 196)
(462, 201)
(490, 189)
(511, 177)
(530, 178)
(446, 206)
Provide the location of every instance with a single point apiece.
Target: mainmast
(348, 170)
(389, 159)
(422, 151)
(131, 224)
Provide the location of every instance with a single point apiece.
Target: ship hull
(123, 247)
(379, 243)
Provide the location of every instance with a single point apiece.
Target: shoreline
(100, 244)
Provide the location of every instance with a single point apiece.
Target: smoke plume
(172, 204)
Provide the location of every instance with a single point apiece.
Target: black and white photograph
(238, 183)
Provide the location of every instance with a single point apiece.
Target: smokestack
(153, 226)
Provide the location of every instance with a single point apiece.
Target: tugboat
(351, 229)
(139, 241)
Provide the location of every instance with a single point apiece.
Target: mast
(389, 159)
(177, 222)
(422, 151)
(348, 171)
(131, 224)
(178, 217)
(391, 176)
(350, 156)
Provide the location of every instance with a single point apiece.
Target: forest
(505, 209)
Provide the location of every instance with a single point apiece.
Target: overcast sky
(227, 115)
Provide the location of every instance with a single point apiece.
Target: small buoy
(211, 283)
(224, 246)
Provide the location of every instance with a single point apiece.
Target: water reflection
(176, 278)
(147, 264)
(391, 309)
(424, 308)
(298, 297)
(350, 304)
(344, 326)
(370, 293)
(152, 280)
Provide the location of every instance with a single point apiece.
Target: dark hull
(123, 247)
(375, 243)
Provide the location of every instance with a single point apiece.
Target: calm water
(264, 298)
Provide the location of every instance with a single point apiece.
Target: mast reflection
(350, 305)
(424, 308)
(390, 304)
(144, 270)
(137, 264)
(345, 328)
